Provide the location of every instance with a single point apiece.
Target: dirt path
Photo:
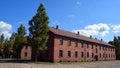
(103, 64)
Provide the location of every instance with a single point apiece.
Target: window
(100, 47)
(60, 53)
(69, 53)
(92, 46)
(82, 44)
(96, 45)
(76, 44)
(100, 55)
(61, 41)
(69, 42)
(96, 50)
(25, 53)
(87, 54)
(76, 54)
(82, 54)
(92, 55)
(26, 47)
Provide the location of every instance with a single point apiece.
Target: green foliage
(38, 30)
(116, 43)
(21, 30)
(18, 40)
(2, 38)
(6, 49)
(12, 41)
(44, 63)
(1, 44)
(12, 38)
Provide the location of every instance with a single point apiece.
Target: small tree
(1, 44)
(38, 31)
(6, 49)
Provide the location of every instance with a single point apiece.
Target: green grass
(87, 62)
(43, 62)
(75, 62)
(17, 59)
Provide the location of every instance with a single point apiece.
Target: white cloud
(116, 28)
(5, 29)
(95, 29)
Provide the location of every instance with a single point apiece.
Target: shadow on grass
(43, 62)
(14, 61)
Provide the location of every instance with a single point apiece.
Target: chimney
(57, 26)
(101, 39)
(90, 36)
(78, 33)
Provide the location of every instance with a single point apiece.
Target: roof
(76, 36)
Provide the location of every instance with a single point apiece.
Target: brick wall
(86, 49)
(26, 52)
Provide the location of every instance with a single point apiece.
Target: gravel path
(102, 64)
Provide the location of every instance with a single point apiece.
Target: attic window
(26, 47)
(92, 46)
(76, 44)
(69, 42)
(82, 44)
(61, 41)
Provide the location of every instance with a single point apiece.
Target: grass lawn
(43, 62)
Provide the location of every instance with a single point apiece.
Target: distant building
(26, 52)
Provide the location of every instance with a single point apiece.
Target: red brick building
(26, 52)
(64, 46)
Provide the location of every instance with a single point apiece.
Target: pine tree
(11, 43)
(38, 31)
(116, 43)
(21, 30)
(20, 39)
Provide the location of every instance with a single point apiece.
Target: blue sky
(99, 18)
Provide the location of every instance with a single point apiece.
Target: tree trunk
(36, 58)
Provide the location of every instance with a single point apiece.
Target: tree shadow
(14, 61)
